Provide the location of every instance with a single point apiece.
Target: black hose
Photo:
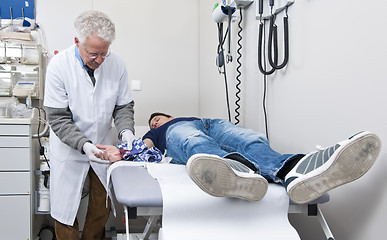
(263, 69)
(272, 45)
(286, 47)
(221, 56)
(261, 46)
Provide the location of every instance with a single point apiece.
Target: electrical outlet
(136, 85)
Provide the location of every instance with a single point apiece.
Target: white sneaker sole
(216, 177)
(348, 163)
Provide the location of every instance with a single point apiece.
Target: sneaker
(323, 170)
(216, 176)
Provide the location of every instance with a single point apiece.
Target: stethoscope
(272, 46)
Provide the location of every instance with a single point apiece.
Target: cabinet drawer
(14, 141)
(14, 183)
(15, 217)
(15, 159)
(11, 130)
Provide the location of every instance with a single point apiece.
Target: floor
(133, 236)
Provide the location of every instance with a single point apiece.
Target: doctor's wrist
(122, 132)
(81, 143)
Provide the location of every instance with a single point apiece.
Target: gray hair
(94, 23)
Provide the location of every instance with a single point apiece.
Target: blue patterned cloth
(139, 152)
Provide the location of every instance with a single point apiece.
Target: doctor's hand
(128, 137)
(92, 152)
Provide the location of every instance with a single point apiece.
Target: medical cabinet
(22, 70)
(19, 159)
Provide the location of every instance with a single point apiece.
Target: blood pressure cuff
(140, 152)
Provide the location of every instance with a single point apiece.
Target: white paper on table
(190, 213)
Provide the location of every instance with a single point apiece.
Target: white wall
(158, 42)
(333, 87)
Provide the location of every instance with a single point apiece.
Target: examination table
(141, 195)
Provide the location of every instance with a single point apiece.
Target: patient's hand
(110, 153)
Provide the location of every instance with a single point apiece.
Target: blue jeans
(222, 138)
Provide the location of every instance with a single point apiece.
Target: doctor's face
(94, 51)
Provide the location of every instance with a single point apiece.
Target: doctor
(86, 87)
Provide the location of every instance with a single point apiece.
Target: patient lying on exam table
(226, 160)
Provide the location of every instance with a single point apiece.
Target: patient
(227, 160)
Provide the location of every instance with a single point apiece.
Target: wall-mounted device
(222, 12)
(273, 7)
(265, 11)
(241, 4)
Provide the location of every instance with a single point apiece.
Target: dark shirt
(158, 135)
(90, 71)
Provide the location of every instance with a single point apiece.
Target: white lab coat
(68, 85)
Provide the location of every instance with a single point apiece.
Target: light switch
(136, 85)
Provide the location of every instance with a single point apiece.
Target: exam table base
(154, 217)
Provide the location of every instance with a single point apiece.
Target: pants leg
(66, 232)
(250, 144)
(185, 139)
(97, 212)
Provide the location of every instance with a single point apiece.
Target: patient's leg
(185, 139)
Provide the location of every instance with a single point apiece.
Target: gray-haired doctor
(86, 88)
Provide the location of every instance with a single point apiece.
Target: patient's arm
(110, 153)
(148, 142)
